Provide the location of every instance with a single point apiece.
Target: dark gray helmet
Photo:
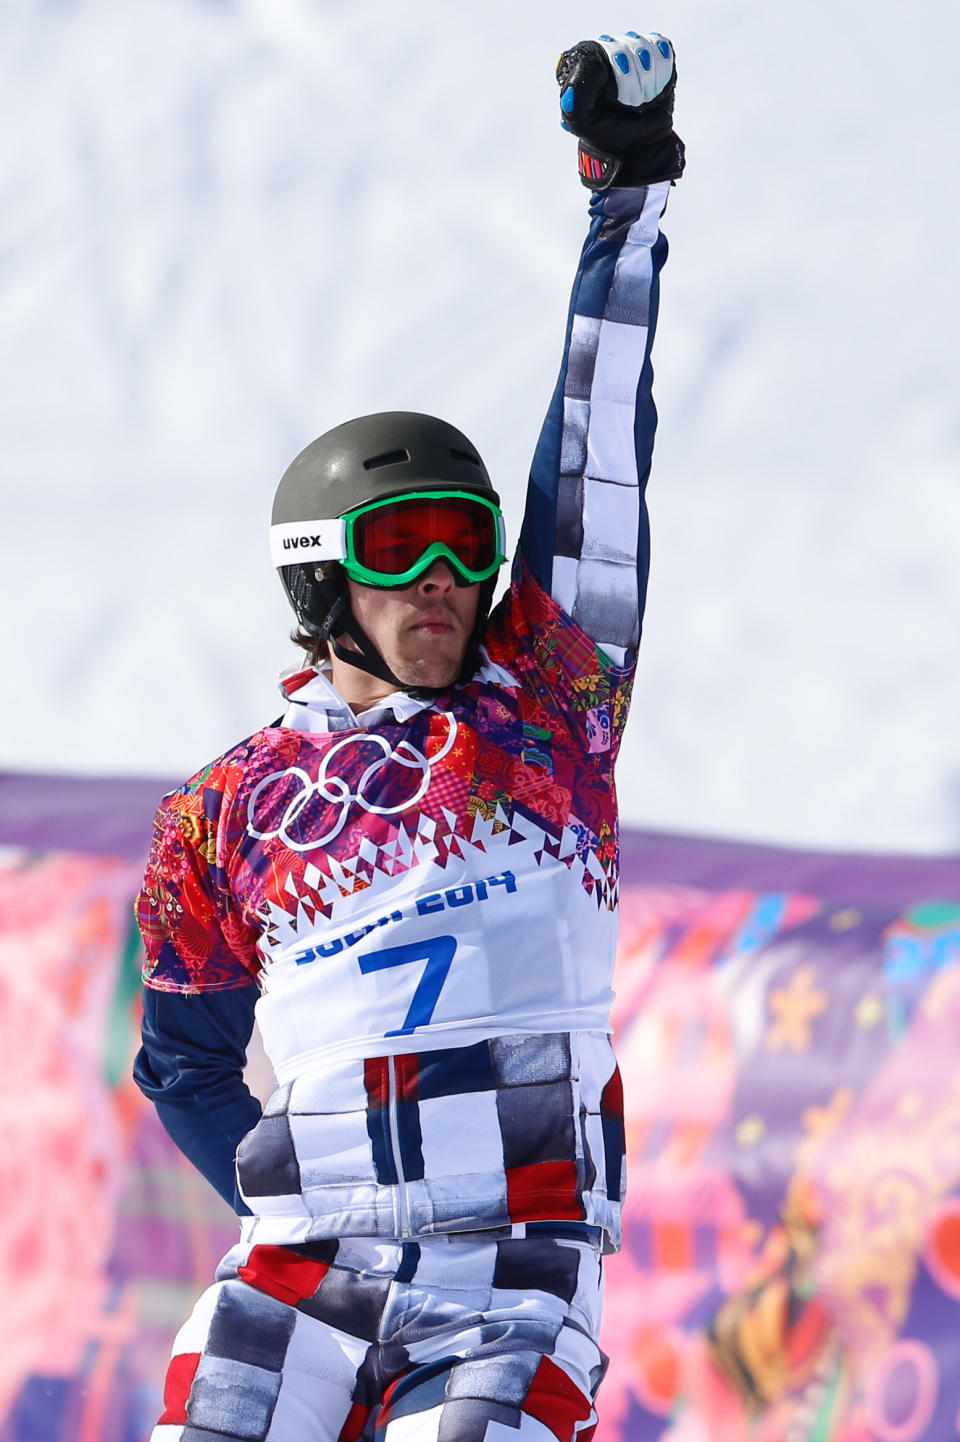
(364, 460)
(377, 456)
(367, 459)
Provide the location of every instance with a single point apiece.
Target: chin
(428, 671)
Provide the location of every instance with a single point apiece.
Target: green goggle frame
(435, 550)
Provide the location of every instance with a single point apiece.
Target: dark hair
(317, 650)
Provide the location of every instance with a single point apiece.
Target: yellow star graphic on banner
(750, 1130)
(795, 1007)
(869, 1010)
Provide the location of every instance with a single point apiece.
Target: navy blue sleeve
(191, 1067)
(585, 534)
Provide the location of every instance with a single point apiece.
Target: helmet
(370, 459)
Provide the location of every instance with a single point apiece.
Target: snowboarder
(412, 878)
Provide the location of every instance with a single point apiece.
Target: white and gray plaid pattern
(435, 1341)
(598, 512)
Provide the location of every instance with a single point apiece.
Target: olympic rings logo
(337, 792)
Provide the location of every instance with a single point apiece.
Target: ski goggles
(393, 541)
(390, 542)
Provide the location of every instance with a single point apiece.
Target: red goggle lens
(391, 539)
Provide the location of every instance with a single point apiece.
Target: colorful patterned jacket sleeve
(200, 961)
(193, 937)
(585, 536)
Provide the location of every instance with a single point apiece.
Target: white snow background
(227, 225)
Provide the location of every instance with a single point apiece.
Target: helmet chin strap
(366, 657)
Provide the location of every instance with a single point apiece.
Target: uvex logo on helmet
(291, 543)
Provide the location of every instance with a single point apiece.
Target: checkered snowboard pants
(451, 1339)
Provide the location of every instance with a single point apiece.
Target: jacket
(425, 896)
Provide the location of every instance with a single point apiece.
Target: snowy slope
(228, 226)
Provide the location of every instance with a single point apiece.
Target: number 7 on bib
(438, 954)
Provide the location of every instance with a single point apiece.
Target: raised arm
(585, 535)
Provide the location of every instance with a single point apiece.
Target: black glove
(616, 95)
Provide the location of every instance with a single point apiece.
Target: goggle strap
(292, 542)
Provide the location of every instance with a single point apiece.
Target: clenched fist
(616, 96)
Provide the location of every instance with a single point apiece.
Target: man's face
(422, 630)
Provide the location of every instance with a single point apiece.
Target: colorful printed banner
(107, 1233)
(787, 1028)
(791, 1269)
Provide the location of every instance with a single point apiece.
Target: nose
(437, 580)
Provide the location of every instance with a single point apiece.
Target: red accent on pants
(282, 1273)
(176, 1388)
(553, 1184)
(355, 1423)
(556, 1401)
